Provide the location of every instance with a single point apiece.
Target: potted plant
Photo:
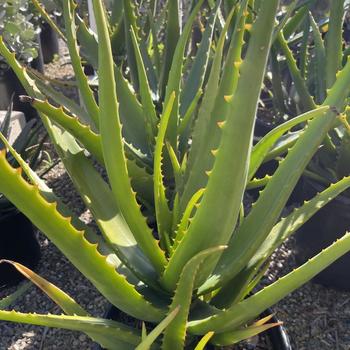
(329, 164)
(320, 57)
(20, 31)
(198, 267)
(18, 239)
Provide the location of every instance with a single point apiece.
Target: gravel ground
(54, 267)
(315, 317)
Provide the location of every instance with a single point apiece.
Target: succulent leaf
(250, 308)
(228, 178)
(115, 160)
(84, 88)
(83, 254)
(117, 335)
(175, 333)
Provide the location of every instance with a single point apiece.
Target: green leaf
(304, 50)
(119, 335)
(87, 41)
(43, 13)
(172, 35)
(82, 253)
(175, 333)
(203, 342)
(248, 309)
(290, 224)
(84, 88)
(131, 115)
(194, 81)
(64, 301)
(206, 135)
(163, 213)
(228, 177)
(286, 16)
(130, 23)
(334, 41)
(342, 167)
(261, 149)
(257, 225)
(320, 62)
(12, 28)
(185, 122)
(98, 197)
(283, 144)
(295, 21)
(305, 97)
(157, 331)
(72, 107)
(155, 45)
(175, 76)
(12, 298)
(280, 232)
(82, 133)
(145, 92)
(239, 335)
(277, 86)
(186, 218)
(113, 149)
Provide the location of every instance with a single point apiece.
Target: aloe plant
(313, 66)
(177, 149)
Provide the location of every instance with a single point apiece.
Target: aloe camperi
(196, 267)
(313, 69)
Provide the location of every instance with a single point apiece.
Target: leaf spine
(228, 98)
(221, 124)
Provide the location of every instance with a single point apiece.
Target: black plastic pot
(18, 242)
(325, 227)
(10, 84)
(49, 43)
(277, 336)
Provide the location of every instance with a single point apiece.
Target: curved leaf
(113, 149)
(83, 254)
(119, 335)
(175, 333)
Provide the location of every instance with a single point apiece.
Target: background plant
(19, 29)
(320, 50)
(29, 145)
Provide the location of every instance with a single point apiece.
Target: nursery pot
(325, 227)
(48, 43)
(18, 242)
(277, 336)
